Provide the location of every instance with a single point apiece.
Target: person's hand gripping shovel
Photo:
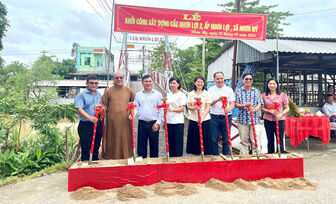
(131, 107)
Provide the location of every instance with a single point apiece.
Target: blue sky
(53, 25)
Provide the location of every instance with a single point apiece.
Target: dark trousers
(218, 126)
(85, 132)
(146, 133)
(193, 140)
(270, 127)
(175, 139)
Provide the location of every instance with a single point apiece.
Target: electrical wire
(97, 12)
(316, 11)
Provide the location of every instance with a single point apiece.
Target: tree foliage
(248, 6)
(4, 24)
(20, 102)
(65, 67)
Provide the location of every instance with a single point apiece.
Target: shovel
(276, 106)
(98, 111)
(132, 106)
(254, 133)
(165, 106)
(199, 104)
(224, 105)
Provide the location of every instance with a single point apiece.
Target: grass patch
(64, 166)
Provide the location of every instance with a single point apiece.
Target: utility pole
(143, 59)
(109, 55)
(277, 51)
(234, 60)
(203, 58)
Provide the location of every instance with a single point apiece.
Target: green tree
(74, 49)
(65, 67)
(158, 56)
(248, 6)
(3, 25)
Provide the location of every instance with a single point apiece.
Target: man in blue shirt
(85, 102)
(248, 97)
(150, 118)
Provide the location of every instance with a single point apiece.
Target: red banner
(135, 19)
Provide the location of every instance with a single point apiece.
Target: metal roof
(295, 45)
(69, 83)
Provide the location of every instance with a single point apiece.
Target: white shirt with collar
(146, 106)
(215, 93)
(329, 109)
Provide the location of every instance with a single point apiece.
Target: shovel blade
(130, 161)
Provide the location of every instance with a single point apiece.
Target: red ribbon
(224, 102)
(98, 111)
(165, 106)
(275, 106)
(199, 104)
(131, 106)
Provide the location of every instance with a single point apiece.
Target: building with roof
(306, 65)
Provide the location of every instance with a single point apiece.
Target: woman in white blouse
(175, 117)
(193, 140)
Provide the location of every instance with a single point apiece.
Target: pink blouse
(282, 99)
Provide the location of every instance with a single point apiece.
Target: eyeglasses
(118, 77)
(248, 79)
(93, 83)
(329, 94)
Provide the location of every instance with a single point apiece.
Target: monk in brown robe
(117, 139)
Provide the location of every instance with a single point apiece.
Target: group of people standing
(117, 139)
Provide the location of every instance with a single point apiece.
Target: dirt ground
(319, 168)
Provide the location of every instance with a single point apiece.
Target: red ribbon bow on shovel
(276, 106)
(199, 104)
(98, 111)
(224, 105)
(132, 106)
(165, 106)
(224, 102)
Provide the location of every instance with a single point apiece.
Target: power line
(108, 5)
(96, 11)
(316, 11)
(105, 11)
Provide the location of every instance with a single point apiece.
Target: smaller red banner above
(148, 20)
(98, 50)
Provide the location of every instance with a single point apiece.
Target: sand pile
(286, 184)
(86, 193)
(168, 189)
(220, 185)
(245, 185)
(130, 192)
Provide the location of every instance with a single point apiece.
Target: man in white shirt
(329, 108)
(218, 122)
(149, 117)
